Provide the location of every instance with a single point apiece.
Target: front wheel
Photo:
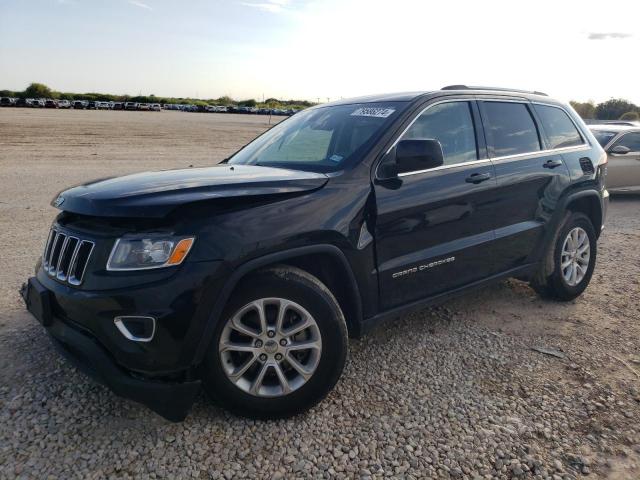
(573, 258)
(280, 346)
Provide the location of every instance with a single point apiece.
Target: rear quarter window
(510, 128)
(561, 131)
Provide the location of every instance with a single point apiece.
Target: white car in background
(622, 144)
(155, 107)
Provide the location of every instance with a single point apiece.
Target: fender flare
(254, 264)
(557, 217)
(583, 194)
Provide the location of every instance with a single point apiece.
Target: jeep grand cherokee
(247, 278)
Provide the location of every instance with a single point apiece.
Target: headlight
(139, 253)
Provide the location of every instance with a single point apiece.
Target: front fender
(270, 259)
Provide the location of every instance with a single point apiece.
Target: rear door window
(559, 128)
(510, 129)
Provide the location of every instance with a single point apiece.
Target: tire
(301, 296)
(559, 283)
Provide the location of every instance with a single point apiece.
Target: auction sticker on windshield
(373, 112)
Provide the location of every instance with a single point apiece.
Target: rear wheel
(279, 348)
(572, 257)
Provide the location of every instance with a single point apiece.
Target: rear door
(434, 227)
(530, 179)
(623, 170)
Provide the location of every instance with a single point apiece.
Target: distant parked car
(155, 107)
(93, 105)
(622, 144)
(64, 104)
(50, 103)
(80, 104)
(7, 102)
(118, 106)
(143, 106)
(131, 106)
(103, 106)
(37, 103)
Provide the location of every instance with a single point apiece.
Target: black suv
(248, 277)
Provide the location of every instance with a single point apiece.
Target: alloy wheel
(576, 253)
(270, 347)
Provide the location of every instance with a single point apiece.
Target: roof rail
(493, 89)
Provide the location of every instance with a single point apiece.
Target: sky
(321, 49)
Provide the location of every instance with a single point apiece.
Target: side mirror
(414, 155)
(410, 156)
(619, 150)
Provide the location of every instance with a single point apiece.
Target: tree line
(614, 109)
(39, 90)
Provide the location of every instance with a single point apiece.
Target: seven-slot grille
(66, 256)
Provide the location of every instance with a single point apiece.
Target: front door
(433, 227)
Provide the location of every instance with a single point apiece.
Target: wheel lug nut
(278, 356)
(263, 357)
(283, 342)
(258, 343)
(271, 334)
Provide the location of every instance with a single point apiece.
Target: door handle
(478, 177)
(552, 163)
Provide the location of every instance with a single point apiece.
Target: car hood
(155, 194)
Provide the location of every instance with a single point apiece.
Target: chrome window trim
(445, 167)
(550, 151)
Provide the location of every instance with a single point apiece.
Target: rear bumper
(172, 400)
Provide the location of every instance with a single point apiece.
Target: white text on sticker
(373, 112)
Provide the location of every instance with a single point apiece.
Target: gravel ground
(453, 391)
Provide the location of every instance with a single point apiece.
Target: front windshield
(603, 137)
(321, 139)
